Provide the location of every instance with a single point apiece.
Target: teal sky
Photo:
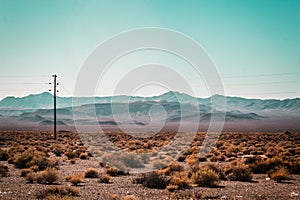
(255, 44)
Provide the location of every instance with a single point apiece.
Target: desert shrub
(123, 161)
(25, 157)
(34, 168)
(3, 170)
(91, 173)
(30, 177)
(153, 180)
(239, 172)
(117, 164)
(3, 155)
(275, 162)
(104, 178)
(114, 171)
(41, 161)
(61, 191)
(132, 160)
(49, 176)
(24, 172)
(219, 170)
(75, 179)
(30, 158)
(205, 177)
(261, 166)
(172, 168)
(279, 175)
(179, 181)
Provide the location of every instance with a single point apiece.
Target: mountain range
(142, 113)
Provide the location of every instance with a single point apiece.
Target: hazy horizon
(144, 96)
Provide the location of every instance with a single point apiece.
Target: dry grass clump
(124, 161)
(179, 181)
(30, 177)
(172, 168)
(131, 143)
(261, 166)
(24, 172)
(153, 180)
(58, 191)
(104, 178)
(31, 157)
(239, 172)
(114, 171)
(220, 170)
(75, 179)
(279, 175)
(205, 177)
(91, 173)
(49, 176)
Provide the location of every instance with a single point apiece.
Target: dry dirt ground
(15, 187)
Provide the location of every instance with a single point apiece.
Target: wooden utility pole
(54, 95)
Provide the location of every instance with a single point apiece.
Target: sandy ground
(15, 187)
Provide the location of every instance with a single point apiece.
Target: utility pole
(54, 95)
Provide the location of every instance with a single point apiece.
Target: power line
(263, 83)
(261, 75)
(23, 76)
(22, 83)
(65, 89)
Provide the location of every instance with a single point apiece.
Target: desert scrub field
(250, 165)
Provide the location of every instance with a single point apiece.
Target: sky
(254, 44)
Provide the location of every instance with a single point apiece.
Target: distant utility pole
(54, 95)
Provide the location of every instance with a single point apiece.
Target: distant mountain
(170, 108)
(45, 101)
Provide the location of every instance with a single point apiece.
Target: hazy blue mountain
(45, 100)
(170, 107)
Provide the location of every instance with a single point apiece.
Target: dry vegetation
(64, 169)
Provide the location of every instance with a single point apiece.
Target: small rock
(267, 179)
(294, 194)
